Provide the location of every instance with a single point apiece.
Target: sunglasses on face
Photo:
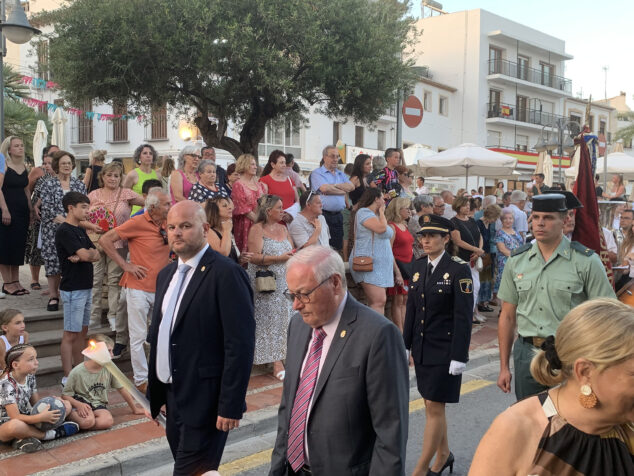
(163, 234)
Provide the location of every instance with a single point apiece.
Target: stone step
(43, 320)
(47, 342)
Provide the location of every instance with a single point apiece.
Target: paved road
(467, 422)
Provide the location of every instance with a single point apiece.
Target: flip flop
(17, 292)
(36, 286)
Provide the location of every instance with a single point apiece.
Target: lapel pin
(202, 269)
(520, 276)
(445, 276)
(343, 334)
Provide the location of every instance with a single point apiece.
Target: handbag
(102, 216)
(362, 264)
(265, 281)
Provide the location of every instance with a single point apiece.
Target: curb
(155, 453)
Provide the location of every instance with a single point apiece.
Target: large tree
(240, 61)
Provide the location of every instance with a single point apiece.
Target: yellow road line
(467, 387)
(244, 464)
(263, 457)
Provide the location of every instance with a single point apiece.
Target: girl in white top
(13, 332)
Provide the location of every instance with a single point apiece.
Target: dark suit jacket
(439, 312)
(358, 421)
(211, 345)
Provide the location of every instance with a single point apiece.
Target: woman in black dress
(438, 331)
(15, 210)
(467, 239)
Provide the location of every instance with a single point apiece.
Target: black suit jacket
(439, 312)
(211, 345)
(358, 421)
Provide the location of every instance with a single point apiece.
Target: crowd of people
(442, 259)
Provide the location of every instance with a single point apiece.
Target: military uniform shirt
(544, 292)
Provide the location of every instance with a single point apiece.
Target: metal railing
(532, 75)
(521, 114)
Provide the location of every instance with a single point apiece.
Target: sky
(595, 35)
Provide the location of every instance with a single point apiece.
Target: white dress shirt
(435, 261)
(330, 328)
(193, 264)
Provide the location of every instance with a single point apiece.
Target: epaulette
(521, 249)
(575, 245)
(458, 260)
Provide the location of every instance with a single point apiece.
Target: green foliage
(13, 85)
(21, 120)
(246, 61)
(626, 133)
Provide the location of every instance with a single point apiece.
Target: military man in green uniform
(540, 284)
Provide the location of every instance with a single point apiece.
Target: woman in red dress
(397, 214)
(245, 193)
(279, 183)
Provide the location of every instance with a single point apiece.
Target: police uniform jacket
(439, 312)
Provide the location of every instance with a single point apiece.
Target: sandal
(28, 445)
(36, 286)
(53, 306)
(17, 292)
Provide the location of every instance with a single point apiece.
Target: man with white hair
(344, 406)
(333, 185)
(149, 253)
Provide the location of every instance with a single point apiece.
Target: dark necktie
(430, 269)
(297, 427)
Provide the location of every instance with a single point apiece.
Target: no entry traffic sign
(412, 111)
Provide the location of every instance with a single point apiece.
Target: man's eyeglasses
(163, 234)
(311, 193)
(304, 298)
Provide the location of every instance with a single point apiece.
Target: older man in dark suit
(202, 340)
(344, 408)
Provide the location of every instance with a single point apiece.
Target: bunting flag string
(32, 102)
(39, 83)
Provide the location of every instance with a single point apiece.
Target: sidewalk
(133, 441)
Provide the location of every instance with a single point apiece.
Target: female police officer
(438, 332)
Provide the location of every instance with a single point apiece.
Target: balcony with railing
(520, 114)
(536, 76)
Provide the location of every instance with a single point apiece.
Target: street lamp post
(561, 141)
(17, 30)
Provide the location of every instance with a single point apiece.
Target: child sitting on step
(87, 391)
(11, 332)
(18, 392)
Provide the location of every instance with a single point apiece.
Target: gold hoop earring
(587, 397)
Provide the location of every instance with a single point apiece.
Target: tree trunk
(250, 136)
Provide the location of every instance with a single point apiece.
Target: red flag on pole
(587, 229)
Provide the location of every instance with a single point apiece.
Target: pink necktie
(297, 427)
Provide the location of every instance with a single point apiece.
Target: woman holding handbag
(397, 214)
(115, 201)
(271, 246)
(371, 260)
(467, 238)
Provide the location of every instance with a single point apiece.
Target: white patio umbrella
(415, 152)
(468, 159)
(617, 163)
(39, 142)
(58, 137)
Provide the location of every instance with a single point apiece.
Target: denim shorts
(76, 309)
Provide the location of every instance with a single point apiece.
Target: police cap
(572, 202)
(550, 202)
(434, 224)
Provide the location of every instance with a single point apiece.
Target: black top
(486, 235)
(94, 177)
(355, 195)
(469, 233)
(69, 239)
(233, 254)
